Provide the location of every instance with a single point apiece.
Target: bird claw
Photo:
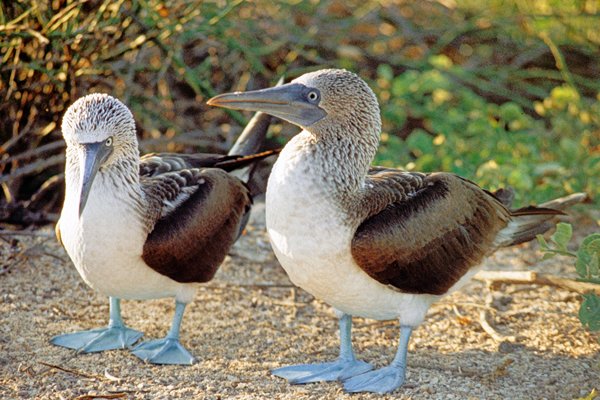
(163, 351)
(329, 371)
(383, 380)
(96, 340)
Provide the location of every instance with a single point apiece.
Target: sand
(250, 319)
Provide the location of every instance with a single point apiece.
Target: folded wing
(435, 229)
(201, 210)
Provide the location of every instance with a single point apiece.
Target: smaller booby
(373, 242)
(149, 227)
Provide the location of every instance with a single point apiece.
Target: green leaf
(581, 265)
(588, 256)
(511, 111)
(562, 235)
(385, 72)
(420, 143)
(589, 312)
(591, 241)
(542, 242)
(593, 265)
(548, 256)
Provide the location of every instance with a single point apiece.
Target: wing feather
(198, 213)
(434, 230)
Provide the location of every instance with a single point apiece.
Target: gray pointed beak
(288, 102)
(94, 155)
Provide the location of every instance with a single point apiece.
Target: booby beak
(289, 102)
(94, 155)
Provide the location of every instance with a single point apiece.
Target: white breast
(106, 246)
(313, 246)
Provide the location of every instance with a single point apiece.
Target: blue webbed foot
(383, 380)
(95, 340)
(344, 367)
(167, 350)
(386, 379)
(163, 351)
(329, 371)
(115, 336)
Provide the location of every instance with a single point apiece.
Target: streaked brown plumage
(441, 242)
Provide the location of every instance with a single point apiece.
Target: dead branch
(250, 285)
(531, 277)
(118, 395)
(34, 167)
(26, 233)
(34, 153)
(71, 371)
(490, 330)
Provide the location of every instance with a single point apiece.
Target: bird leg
(115, 336)
(386, 379)
(167, 350)
(344, 367)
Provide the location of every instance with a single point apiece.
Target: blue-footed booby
(372, 242)
(149, 227)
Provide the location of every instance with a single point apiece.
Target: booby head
(99, 129)
(318, 102)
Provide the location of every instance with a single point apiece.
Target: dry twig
(118, 395)
(26, 233)
(71, 371)
(490, 330)
(494, 278)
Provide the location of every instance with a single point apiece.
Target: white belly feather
(106, 246)
(313, 246)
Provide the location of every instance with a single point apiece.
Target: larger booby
(149, 227)
(373, 242)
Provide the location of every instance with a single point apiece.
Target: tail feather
(251, 140)
(505, 196)
(527, 222)
(565, 202)
(247, 145)
(252, 137)
(235, 163)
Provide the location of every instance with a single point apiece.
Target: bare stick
(532, 277)
(119, 395)
(26, 233)
(34, 167)
(34, 152)
(71, 371)
(250, 285)
(490, 330)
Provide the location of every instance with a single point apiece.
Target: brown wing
(205, 210)
(437, 227)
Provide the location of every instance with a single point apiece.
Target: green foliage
(504, 92)
(588, 257)
(589, 313)
(554, 149)
(586, 264)
(559, 241)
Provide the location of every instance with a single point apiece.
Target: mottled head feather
(95, 117)
(347, 99)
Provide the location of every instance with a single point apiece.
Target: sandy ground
(250, 319)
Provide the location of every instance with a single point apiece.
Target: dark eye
(312, 96)
(109, 141)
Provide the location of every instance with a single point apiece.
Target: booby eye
(313, 96)
(108, 142)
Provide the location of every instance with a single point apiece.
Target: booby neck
(118, 178)
(338, 163)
